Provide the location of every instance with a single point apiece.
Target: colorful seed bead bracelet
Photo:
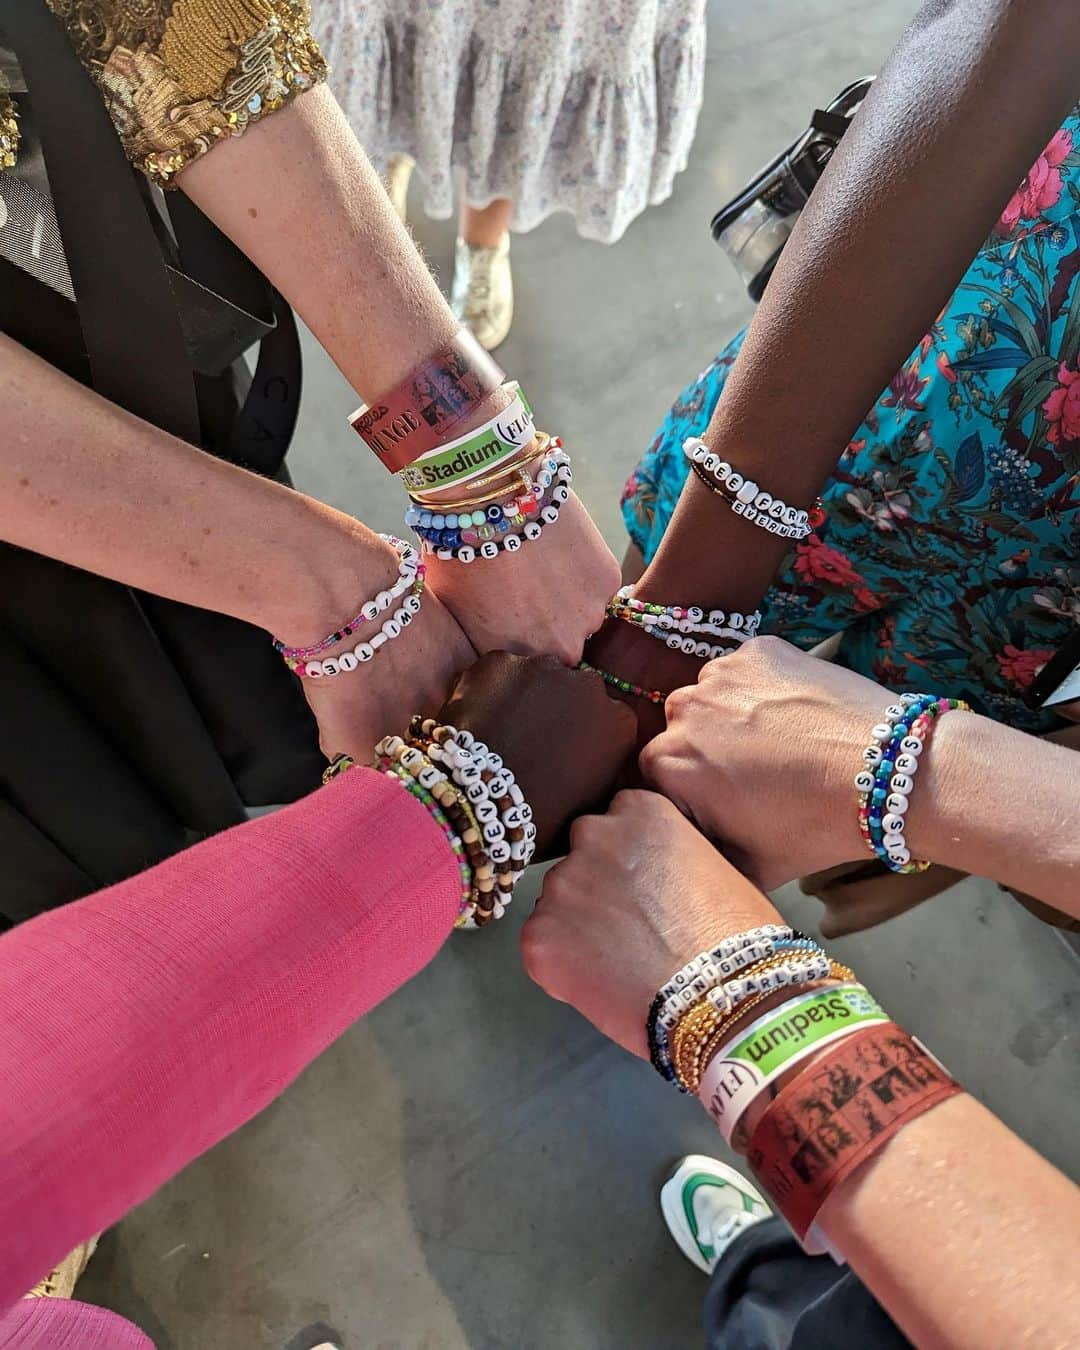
(626, 686)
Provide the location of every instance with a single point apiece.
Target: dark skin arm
(971, 94)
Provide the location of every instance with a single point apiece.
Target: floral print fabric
(587, 106)
(948, 550)
(178, 75)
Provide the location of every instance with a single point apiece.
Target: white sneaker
(706, 1205)
(482, 295)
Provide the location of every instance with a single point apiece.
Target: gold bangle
(478, 495)
(726, 1032)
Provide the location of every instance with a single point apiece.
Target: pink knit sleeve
(144, 1023)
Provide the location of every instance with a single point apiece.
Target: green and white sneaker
(706, 1205)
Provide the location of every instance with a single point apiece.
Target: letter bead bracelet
(743, 495)
(410, 584)
(506, 526)
(473, 797)
(685, 628)
(886, 779)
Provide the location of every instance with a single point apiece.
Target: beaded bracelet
(885, 784)
(627, 686)
(408, 570)
(348, 661)
(684, 628)
(743, 495)
(711, 1017)
(443, 528)
(508, 533)
(705, 972)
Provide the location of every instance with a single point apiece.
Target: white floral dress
(587, 106)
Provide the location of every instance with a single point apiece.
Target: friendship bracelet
(408, 560)
(508, 533)
(740, 1069)
(502, 437)
(703, 973)
(837, 1113)
(347, 661)
(627, 686)
(688, 619)
(417, 414)
(491, 520)
(781, 972)
(885, 784)
(743, 495)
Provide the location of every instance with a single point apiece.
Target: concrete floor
(473, 1166)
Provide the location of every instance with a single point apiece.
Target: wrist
(323, 566)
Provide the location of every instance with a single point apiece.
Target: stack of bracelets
(685, 628)
(480, 529)
(850, 1077)
(472, 496)
(303, 661)
(887, 778)
(744, 496)
(474, 799)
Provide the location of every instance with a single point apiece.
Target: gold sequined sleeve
(179, 75)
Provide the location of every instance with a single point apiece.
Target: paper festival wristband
(419, 413)
(776, 1042)
(838, 1113)
(477, 453)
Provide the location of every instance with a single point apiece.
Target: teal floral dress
(947, 551)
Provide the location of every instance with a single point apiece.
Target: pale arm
(83, 481)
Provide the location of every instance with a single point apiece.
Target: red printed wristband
(838, 1113)
(419, 413)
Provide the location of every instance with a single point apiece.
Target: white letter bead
(560, 493)
(476, 792)
(748, 491)
(489, 549)
(893, 839)
(894, 710)
(864, 781)
(893, 824)
(734, 483)
(392, 629)
(313, 670)
(511, 543)
(897, 803)
(497, 785)
(695, 615)
(791, 516)
(688, 645)
(906, 764)
(384, 600)
(330, 666)
(370, 611)
(466, 553)
(763, 501)
(703, 649)
(711, 462)
(908, 699)
(363, 651)
(674, 642)
(872, 754)
(911, 745)
(499, 852)
(493, 832)
(882, 732)
(429, 776)
(549, 515)
(347, 661)
(902, 783)
(495, 762)
(532, 530)
(486, 810)
(900, 856)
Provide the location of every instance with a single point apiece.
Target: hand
(761, 753)
(622, 649)
(640, 894)
(412, 674)
(545, 599)
(556, 729)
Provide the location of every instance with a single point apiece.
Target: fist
(556, 728)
